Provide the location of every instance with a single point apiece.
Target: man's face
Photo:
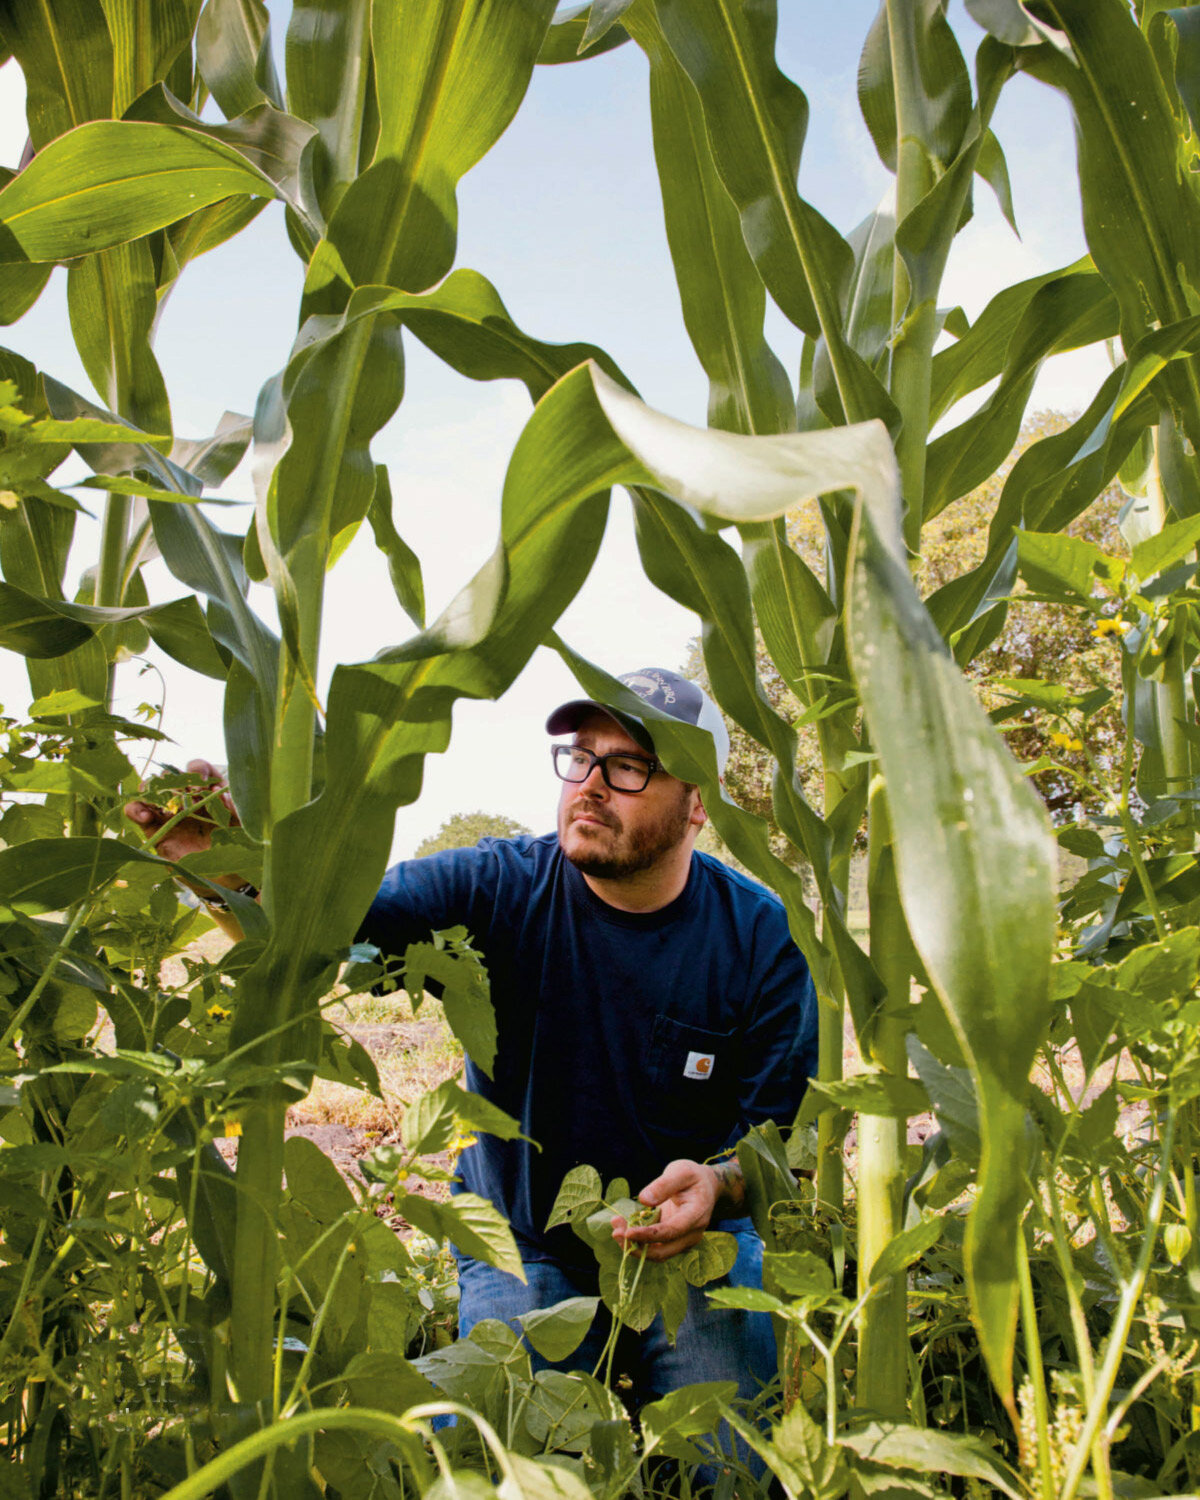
(608, 834)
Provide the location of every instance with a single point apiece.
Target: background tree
(464, 829)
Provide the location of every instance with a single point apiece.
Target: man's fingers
(145, 814)
(676, 1247)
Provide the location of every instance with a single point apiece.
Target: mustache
(598, 814)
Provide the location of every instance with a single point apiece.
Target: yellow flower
(1065, 741)
(218, 1013)
(1110, 627)
(402, 1175)
(233, 1127)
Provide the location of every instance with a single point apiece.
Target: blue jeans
(713, 1343)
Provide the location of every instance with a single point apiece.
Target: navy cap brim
(568, 716)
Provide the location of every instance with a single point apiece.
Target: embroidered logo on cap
(699, 1065)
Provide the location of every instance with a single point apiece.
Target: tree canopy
(465, 829)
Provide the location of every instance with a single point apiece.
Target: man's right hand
(192, 833)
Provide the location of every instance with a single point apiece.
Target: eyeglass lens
(623, 773)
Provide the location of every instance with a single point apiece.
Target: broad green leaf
(721, 291)
(385, 1381)
(213, 459)
(1054, 697)
(756, 120)
(149, 45)
(467, 325)
(50, 874)
(119, 484)
(543, 1479)
(112, 299)
(762, 1157)
(935, 87)
(64, 51)
(563, 42)
(233, 53)
(1010, 22)
(747, 1299)
(581, 1194)
(1165, 548)
(276, 143)
(115, 180)
(471, 1223)
(881, 1094)
(465, 994)
(35, 540)
(797, 1273)
(815, 1466)
(448, 82)
(314, 1181)
(868, 309)
(1179, 26)
(739, 479)
(209, 561)
(687, 1412)
(569, 1406)
(1141, 216)
(328, 54)
(929, 1451)
(982, 353)
(1060, 567)
(975, 862)
(602, 16)
(712, 1257)
(35, 627)
(1065, 311)
(64, 701)
(992, 167)
(907, 1248)
(20, 286)
(556, 1332)
(432, 1120)
(404, 566)
(1053, 481)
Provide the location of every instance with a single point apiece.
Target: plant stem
(1037, 1372)
(1133, 838)
(259, 1180)
(1091, 1439)
(882, 1384)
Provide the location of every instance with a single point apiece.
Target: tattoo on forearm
(730, 1182)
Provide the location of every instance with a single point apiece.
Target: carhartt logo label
(699, 1065)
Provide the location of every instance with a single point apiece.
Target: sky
(564, 217)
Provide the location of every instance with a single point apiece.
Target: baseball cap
(663, 690)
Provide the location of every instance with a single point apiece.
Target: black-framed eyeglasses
(621, 772)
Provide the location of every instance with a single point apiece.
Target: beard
(617, 851)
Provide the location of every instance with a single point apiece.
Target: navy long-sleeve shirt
(626, 1039)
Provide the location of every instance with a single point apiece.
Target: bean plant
(1051, 1256)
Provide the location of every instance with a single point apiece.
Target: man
(651, 1006)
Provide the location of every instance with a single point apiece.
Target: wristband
(219, 903)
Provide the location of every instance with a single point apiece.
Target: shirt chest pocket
(694, 1077)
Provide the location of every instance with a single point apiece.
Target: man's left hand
(686, 1193)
